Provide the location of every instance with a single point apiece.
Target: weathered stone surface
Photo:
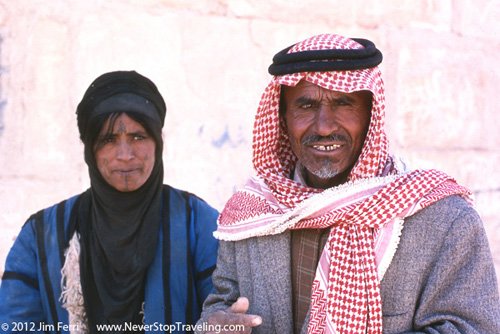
(209, 59)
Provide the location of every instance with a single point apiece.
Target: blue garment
(177, 283)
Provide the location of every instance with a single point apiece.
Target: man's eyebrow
(345, 97)
(305, 100)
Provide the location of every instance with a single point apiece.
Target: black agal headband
(326, 60)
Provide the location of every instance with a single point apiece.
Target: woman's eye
(107, 140)
(306, 106)
(139, 137)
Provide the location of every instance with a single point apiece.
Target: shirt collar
(298, 174)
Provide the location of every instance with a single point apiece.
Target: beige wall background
(209, 60)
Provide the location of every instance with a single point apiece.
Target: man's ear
(283, 123)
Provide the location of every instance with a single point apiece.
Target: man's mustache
(317, 139)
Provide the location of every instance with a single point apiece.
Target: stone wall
(210, 58)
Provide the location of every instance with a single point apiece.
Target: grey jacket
(441, 279)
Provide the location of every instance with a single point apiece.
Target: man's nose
(326, 121)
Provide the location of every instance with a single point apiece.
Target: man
(130, 251)
(334, 235)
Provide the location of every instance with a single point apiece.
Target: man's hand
(234, 319)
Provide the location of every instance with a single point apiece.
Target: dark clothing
(176, 283)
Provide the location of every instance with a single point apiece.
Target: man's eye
(343, 102)
(306, 105)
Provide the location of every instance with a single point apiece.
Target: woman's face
(125, 154)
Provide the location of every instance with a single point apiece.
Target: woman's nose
(124, 150)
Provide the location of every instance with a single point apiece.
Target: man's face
(125, 156)
(327, 130)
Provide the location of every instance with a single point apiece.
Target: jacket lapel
(275, 260)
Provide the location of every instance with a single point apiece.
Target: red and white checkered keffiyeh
(346, 290)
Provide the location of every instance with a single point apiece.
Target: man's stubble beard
(323, 169)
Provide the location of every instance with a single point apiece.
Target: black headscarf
(118, 230)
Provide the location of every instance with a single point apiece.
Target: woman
(130, 251)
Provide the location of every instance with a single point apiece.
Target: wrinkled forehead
(311, 91)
